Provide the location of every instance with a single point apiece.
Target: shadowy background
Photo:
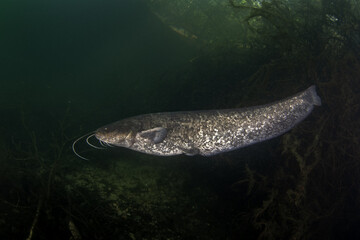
(69, 67)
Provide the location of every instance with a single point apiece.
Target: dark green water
(79, 65)
(69, 67)
(84, 54)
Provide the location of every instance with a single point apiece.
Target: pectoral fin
(155, 135)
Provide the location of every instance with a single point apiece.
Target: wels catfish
(207, 132)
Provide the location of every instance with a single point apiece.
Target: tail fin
(313, 95)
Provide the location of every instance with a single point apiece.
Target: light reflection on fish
(207, 132)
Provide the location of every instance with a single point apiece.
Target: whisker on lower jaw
(102, 143)
(105, 144)
(90, 144)
(74, 143)
(109, 145)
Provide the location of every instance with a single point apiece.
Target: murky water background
(69, 67)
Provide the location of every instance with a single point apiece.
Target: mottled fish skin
(208, 132)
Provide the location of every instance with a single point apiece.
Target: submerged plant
(317, 182)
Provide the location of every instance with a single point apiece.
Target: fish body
(208, 132)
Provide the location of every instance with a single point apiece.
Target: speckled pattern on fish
(208, 132)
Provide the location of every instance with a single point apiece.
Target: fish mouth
(103, 135)
(98, 136)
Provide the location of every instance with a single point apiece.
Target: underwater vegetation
(47, 192)
(305, 184)
(210, 25)
(313, 194)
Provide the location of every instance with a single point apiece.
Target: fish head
(121, 133)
